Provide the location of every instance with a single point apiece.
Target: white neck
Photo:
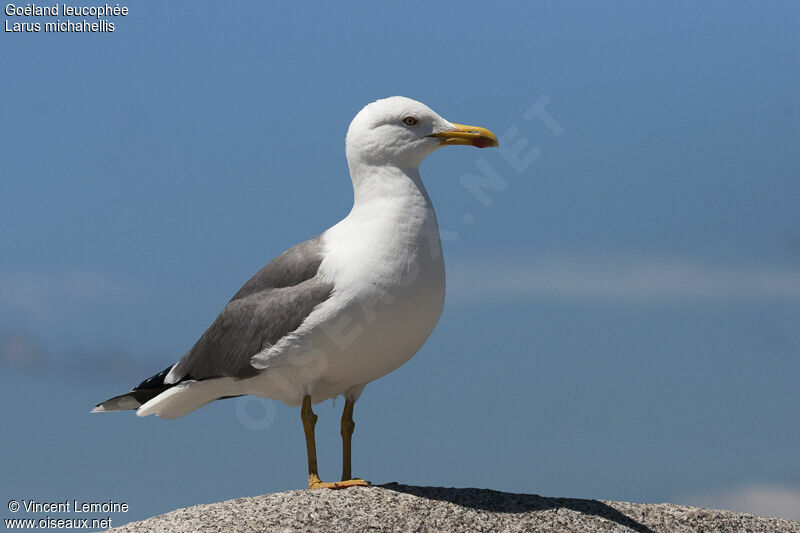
(391, 229)
(388, 184)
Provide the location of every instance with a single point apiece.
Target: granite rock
(404, 508)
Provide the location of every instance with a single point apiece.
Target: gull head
(402, 132)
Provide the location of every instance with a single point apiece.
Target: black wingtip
(155, 382)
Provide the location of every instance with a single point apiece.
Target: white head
(401, 132)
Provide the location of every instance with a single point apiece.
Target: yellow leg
(347, 436)
(309, 421)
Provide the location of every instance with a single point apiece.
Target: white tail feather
(186, 397)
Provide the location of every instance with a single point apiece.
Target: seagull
(335, 312)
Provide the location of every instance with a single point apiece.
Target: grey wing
(272, 304)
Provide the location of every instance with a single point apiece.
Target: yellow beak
(470, 135)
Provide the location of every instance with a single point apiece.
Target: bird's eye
(410, 121)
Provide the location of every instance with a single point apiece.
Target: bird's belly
(358, 337)
(387, 268)
(381, 332)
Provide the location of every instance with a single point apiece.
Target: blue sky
(622, 312)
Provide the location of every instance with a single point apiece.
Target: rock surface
(401, 508)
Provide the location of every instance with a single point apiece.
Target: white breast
(385, 261)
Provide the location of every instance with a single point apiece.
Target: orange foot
(315, 483)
